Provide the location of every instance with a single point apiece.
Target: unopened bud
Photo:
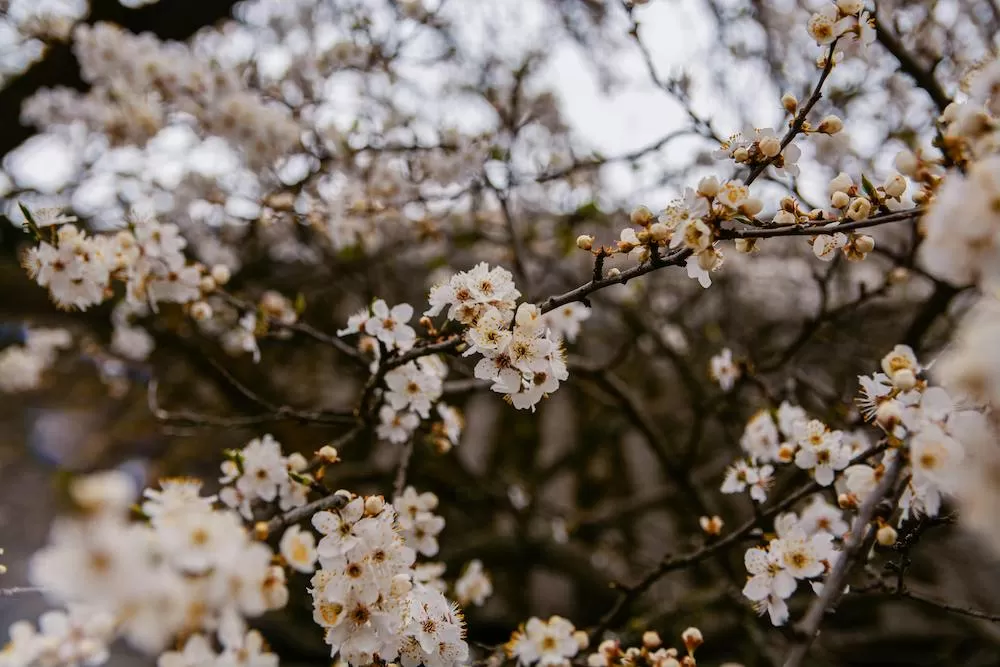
(830, 125)
(886, 535)
(708, 186)
(859, 209)
(201, 311)
(374, 505)
(786, 453)
(711, 525)
(297, 462)
(260, 530)
(847, 501)
(692, 639)
(641, 216)
(840, 199)
(221, 274)
(741, 154)
(895, 186)
(651, 640)
(784, 217)
(770, 146)
(789, 102)
(752, 206)
(585, 242)
(207, 284)
(659, 232)
(614, 272)
(865, 244)
(328, 454)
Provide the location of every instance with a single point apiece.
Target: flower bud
(711, 525)
(659, 231)
(585, 242)
(847, 501)
(789, 102)
(614, 272)
(708, 186)
(328, 454)
(859, 209)
(752, 206)
(651, 640)
(260, 530)
(770, 146)
(784, 217)
(746, 245)
(865, 244)
(692, 639)
(641, 216)
(830, 125)
(201, 311)
(581, 639)
(709, 259)
(895, 186)
(840, 199)
(374, 505)
(221, 274)
(643, 236)
(207, 284)
(741, 154)
(297, 462)
(886, 535)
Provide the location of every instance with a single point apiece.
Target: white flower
(298, 548)
(820, 516)
(264, 468)
(935, 457)
(821, 451)
(724, 370)
(565, 321)
(396, 426)
(760, 437)
(803, 557)
(544, 642)
(474, 586)
(390, 326)
(769, 584)
(825, 246)
(413, 389)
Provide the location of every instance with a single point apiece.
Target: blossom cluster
(921, 423)
(78, 268)
(188, 568)
(521, 355)
(260, 473)
(365, 595)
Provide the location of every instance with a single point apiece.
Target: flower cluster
(187, 569)
(261, 473)
(78, 268)
(521, 355)
(79, 635)
(548, 643)
(418, 525)
(652, 653)
(793, 555)
(366, 597)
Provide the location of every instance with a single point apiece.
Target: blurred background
(428, 135)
